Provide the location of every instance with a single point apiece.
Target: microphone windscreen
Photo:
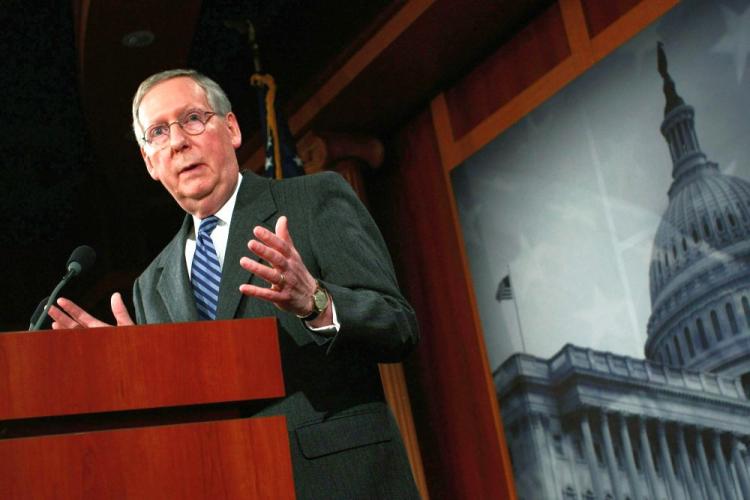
(82, 259)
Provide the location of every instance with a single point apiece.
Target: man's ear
(234, 130)
(149, 166)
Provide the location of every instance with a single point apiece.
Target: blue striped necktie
(206, 271)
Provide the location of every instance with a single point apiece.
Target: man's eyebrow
(191, 110)
(183, 111)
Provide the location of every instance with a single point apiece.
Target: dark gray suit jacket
(344, 441)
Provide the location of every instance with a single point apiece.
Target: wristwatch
(320, 302)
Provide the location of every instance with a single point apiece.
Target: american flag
(283, 161)
(504, 290)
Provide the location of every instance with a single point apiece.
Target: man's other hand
(67, 314)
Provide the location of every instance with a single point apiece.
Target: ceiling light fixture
(138, 39)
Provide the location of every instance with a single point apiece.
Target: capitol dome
(700, 264)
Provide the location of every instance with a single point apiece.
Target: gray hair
(216, 97)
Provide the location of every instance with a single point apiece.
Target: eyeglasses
(193, 122)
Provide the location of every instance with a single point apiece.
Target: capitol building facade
(586, 424)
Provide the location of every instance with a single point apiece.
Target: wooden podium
(142, 412)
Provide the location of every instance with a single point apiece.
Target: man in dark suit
(332, 287)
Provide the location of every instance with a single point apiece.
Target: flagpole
(518, 315)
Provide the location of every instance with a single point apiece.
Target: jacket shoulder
(165, 256)
(311, 185)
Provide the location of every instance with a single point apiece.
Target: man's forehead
(169, 98)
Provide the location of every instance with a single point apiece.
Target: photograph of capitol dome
(608, 235)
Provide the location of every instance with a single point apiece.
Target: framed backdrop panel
(607, 234)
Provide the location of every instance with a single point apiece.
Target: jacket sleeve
(138, 303)
(345, 251)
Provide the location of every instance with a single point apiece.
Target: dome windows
(746, 310)
(682, 347)
(689, 342)
(702, 334)
(667, 357)
(717, 326)
(732, 319)
(678, 352)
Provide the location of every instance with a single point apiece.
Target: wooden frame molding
(392, 29)
(585, 52)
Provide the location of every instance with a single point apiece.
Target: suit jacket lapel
(174, 282)
(254, 206)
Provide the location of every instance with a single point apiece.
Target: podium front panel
(229, 459)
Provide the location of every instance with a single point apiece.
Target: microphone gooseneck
(37, 312)
(80, 261)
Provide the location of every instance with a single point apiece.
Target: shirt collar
(224, 214)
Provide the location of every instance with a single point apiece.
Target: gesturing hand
(68, 314)
(292, 285)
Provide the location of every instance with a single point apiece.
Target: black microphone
(79, 262)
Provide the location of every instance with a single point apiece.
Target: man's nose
(177, 137)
